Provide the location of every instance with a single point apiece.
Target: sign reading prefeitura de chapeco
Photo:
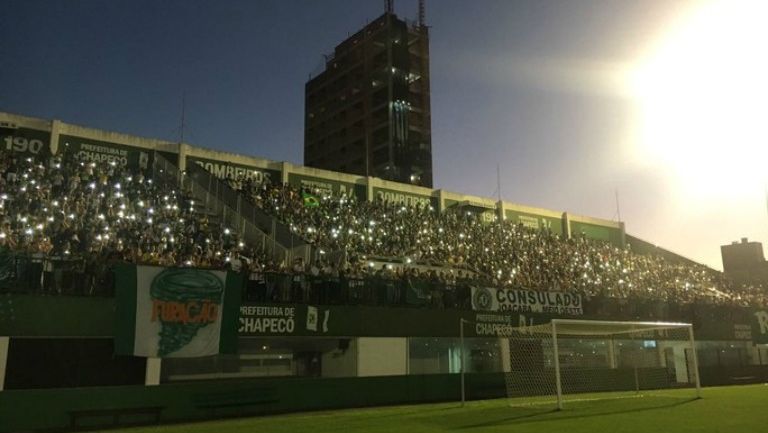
(283, 320)
(88, 150)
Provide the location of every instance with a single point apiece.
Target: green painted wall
(172, 157)
(448, 203)
(25, 141)
(224, 169)
(56, 316)
(403, 198)
(49, 409)
(69, 316)
(93, 150)
(596, 232)
(535, 221)
(327, 186)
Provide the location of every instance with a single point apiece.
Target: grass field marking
(534, 401)
(585, 399)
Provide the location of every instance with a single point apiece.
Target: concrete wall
(382, 356)
(112, 137)
(338, 363)
(4, 342)
(223, 163)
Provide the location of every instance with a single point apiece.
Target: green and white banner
(257, 320)
(176, 312)
(25, 141)
(122, 155)
(403, 198)
(521, 300)
(760, 326)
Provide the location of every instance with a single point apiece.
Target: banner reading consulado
(521, 300)
(175, 312)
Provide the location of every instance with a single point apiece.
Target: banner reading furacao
(521, 300)
(176, 312)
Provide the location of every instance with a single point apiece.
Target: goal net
(587, 359)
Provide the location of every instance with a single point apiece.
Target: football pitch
(733, 409)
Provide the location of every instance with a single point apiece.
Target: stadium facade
(368, 112)
(744, 261)
(59, 359)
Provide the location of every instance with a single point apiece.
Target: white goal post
(585, 359)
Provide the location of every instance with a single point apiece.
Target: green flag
(310, 200)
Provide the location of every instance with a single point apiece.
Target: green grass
(727, 409)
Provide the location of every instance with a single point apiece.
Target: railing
(233, 201)
(74, 275)
(274, 287)
(214, 196)
(55, 275)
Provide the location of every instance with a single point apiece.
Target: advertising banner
(521, 300)
(536, 222)
(760, 326)
(86, 149)
(390, 196)
(25, 141)
(327, 187)
(176, 312)
(228, 170)
(596, 232)
(273, 320)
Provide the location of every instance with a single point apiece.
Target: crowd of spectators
(65, 222)
(496, 254)
(71, 220)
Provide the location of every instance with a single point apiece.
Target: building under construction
(368, 112)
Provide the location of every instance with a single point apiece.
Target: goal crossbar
(537, 354)
(603, 327)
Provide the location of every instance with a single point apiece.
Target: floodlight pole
(695, 360)
(557, 365)
(461, 359)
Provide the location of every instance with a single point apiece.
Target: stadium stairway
(228, 209)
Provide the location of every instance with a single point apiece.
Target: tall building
(745, 262)
(368, 112)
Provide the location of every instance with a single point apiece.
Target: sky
(649, 110)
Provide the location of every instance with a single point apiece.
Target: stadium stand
(61, 216)
(498, 254)
(352, 284)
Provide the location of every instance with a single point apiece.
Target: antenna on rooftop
(422, 14)
(389, 6)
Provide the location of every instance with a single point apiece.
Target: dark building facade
(744, 261)
(368, 112)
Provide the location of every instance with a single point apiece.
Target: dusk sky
(660, 100)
